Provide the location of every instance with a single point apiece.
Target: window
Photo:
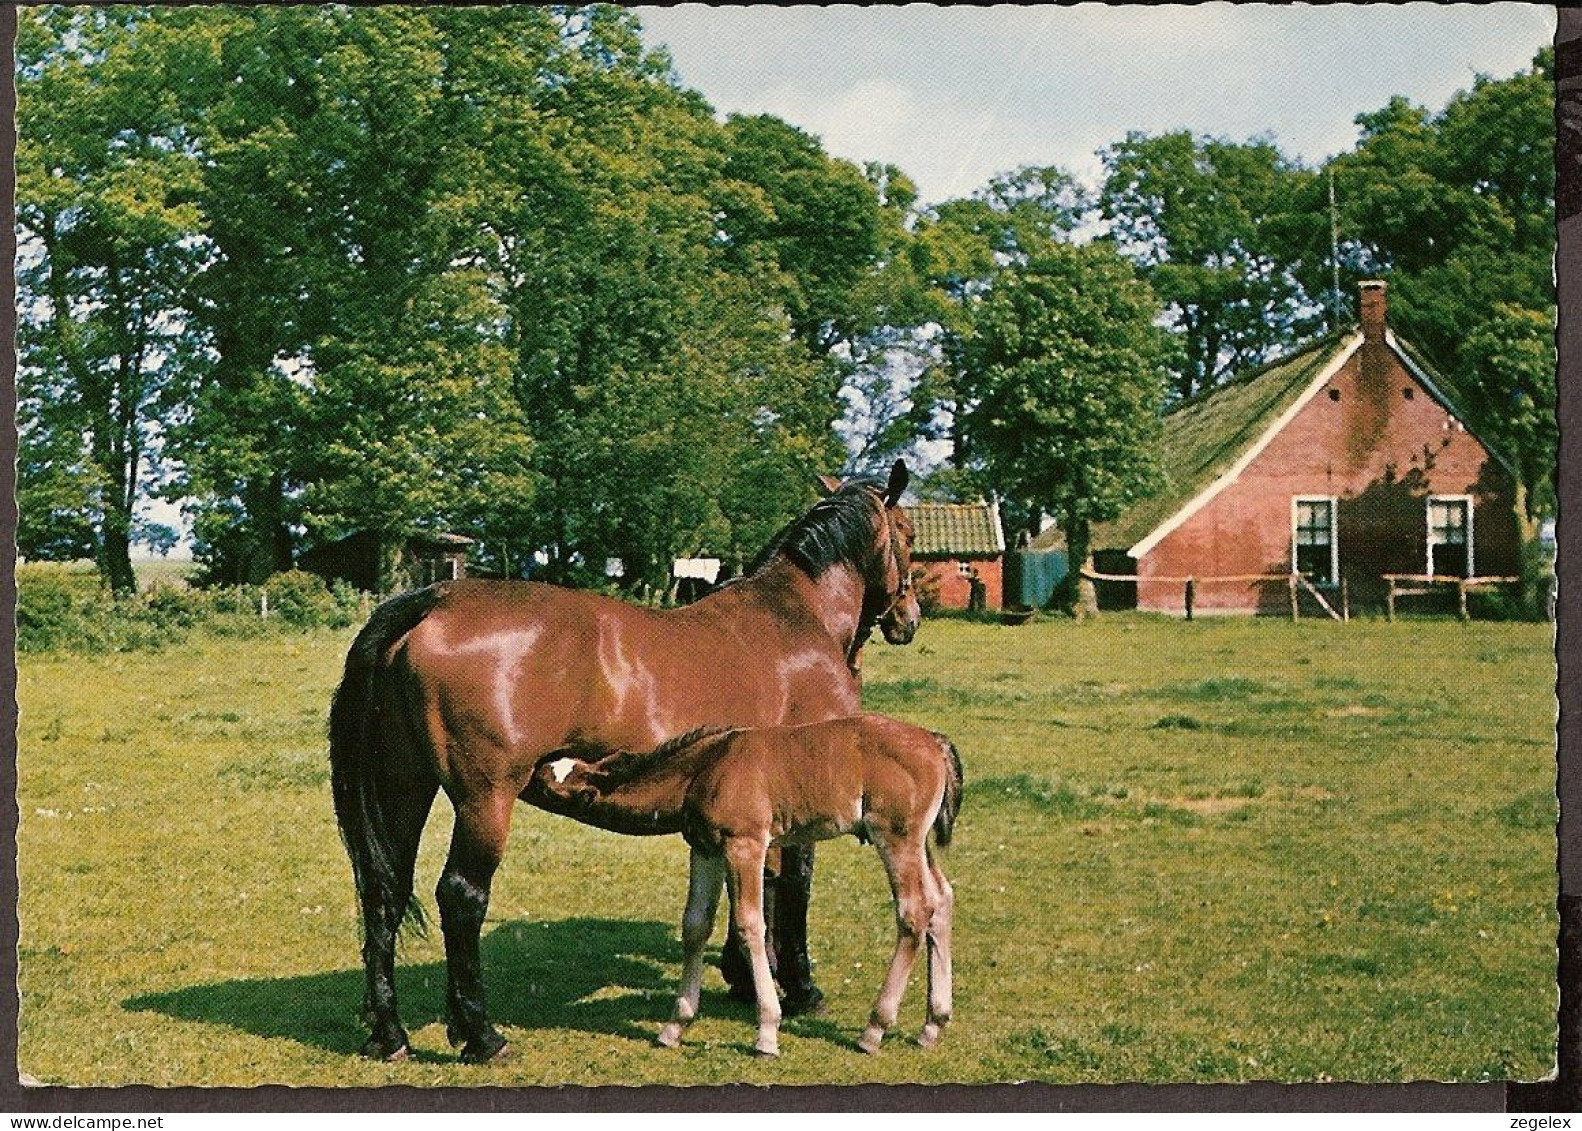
(1449, 536)
(1315, 553)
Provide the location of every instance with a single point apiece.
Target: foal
(734, 794)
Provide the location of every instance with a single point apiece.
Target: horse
(735, 794)
(464, 685)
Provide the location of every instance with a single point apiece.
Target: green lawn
(1222, 850)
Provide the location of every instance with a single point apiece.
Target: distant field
(1224, 850)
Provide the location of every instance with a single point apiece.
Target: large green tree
(1062, 377)
(1455, 208)
(1210, 223)
(110, 239)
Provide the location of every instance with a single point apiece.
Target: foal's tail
(950, 804)
(360, 780)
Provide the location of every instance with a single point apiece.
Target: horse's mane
(839, 528)
(626, 766)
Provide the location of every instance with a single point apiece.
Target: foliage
(111, 239)
(1510, 367)
(1455, 209)
(1209, 222)
(1062, 377)
(62, 609)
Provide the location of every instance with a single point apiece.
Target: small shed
(1343, 464)
(382, 563)
(959, 548)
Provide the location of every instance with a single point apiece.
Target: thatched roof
(956, 530)
(1204, 435)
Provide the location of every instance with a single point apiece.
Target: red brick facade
(955, 588)
(1374, 439)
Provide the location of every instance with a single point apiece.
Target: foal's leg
(744, 858)
(939, 977)
(706, 878)
(476, 846)
(907, 866)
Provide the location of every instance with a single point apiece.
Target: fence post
(1191, 595)
(1345, 602)
(263, 604)
(1461, 598)
(1389, 601)
(1296, 614)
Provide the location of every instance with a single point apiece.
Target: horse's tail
(950, 804)
(360, 779)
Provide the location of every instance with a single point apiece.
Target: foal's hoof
(766, 1049)
(930, 1035)
(804, 1003)
(872, 1037)
(490, 1048)
(669, 1037)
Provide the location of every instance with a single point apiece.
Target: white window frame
(1334, 535)
(1428, 532)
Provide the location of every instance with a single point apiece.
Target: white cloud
(953, 95)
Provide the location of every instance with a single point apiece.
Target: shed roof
(956, 530)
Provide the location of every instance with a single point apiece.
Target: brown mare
(735, 794)
(465, 685)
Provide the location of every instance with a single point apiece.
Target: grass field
(1223, 850)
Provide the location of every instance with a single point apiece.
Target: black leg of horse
(406, 812)
(793, 888)
(463, 897)
(785, 913)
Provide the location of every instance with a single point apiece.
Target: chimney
(1374, 309)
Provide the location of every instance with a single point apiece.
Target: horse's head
(889, 598)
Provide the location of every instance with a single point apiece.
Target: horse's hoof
(491, 1048)
(669, 1037)
(805, 1003)
(766, 1050)
(930, 1035)
(870, 1040)
(389, 1051)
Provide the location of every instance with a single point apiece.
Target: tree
(1456, 210)
(1209, 222)
(110, 239)
(1062, 377)
(1510, 360)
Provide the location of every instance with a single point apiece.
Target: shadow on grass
(592, 975)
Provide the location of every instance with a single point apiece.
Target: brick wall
(955, 590)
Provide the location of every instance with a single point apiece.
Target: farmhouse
(1346, 462)
(957, 544)
(382, 563)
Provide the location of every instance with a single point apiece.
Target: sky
(954, 95)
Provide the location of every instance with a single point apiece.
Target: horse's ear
(827, 485)
(898, 481)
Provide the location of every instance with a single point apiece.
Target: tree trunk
(266, 546)
(1083, 596)
(115, 555)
